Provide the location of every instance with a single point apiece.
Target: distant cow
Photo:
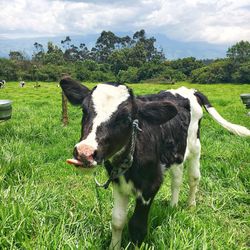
(2, 84)
(21, 84)
(138, 138)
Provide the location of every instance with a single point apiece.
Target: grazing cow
(21, 84)
(138, 138)
(2, 84)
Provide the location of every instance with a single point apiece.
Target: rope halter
(120, 163)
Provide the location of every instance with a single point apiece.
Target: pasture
(46, 204)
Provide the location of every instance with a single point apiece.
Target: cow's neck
(122, 161)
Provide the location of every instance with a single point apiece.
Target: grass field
(46, 204)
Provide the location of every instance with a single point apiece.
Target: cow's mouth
(82, 164)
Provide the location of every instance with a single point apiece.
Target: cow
(21, 84)
(137, 138)
(2, 84)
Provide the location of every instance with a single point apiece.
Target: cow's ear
(74, 91)
(156, 112)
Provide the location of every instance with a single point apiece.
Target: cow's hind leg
(194, 173)
(176, 172)
(119, 216)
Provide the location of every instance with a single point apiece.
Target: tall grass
(46, 204)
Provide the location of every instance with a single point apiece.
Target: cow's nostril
(95, 154)
(75, 153)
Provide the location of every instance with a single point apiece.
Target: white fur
(119, 216)
(121, 195)
(194, 174)
(196, 114)
(193, 149)
(144, 201)
(192, 153)
(106, 99)
(176, 172)
(234, 128)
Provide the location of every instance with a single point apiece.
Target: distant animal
(2, 84)
(21, 84)
(137, 138)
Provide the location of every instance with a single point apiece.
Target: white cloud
(214, 21)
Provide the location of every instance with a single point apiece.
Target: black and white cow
(21, 84)
(2, 84)
(169, 136)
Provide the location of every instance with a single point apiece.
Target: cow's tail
(234, 128)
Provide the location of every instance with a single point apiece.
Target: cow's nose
(85, 150)
(84, 153)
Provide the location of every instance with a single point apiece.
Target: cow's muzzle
(83, 156)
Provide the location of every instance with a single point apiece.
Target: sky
(212, 21)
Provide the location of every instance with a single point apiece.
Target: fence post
(65, 119)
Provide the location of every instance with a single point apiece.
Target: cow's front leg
(119, 215)
(139, 221)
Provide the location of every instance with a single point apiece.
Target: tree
(148, 44)
(66, 42)
(83, 52)
(186, 65)
(128, 76)
(119, 60)
(54, 55)
(16, 56)
(242, 74)
(38, 54)
(218, 71)
(240, 52)
(105, 45)
(8, 69)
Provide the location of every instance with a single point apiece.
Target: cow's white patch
(140, 196)
(163, 167)
(193, 148)
(119, 216)
(176, 172)
(234, 128)
(195, 115)
(106, 99)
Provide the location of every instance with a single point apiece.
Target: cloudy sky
(213, 21)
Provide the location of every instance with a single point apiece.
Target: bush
(242, 74)
(150, 70)
(186, 65)
(219, 71)
(170, 75)
(99, 76)
(130, 75)
(83, 74)
(8, 70)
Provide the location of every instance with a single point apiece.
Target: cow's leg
(119, 215)
(139, 221)
(194, 173)
(176, 173)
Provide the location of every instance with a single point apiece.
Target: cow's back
(177, 138)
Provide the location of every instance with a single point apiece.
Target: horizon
(199, 28)
(211, 21)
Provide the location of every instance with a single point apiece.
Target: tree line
(123, 59)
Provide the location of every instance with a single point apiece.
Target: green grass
(46, 204)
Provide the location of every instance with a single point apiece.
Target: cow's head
(108, 114)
